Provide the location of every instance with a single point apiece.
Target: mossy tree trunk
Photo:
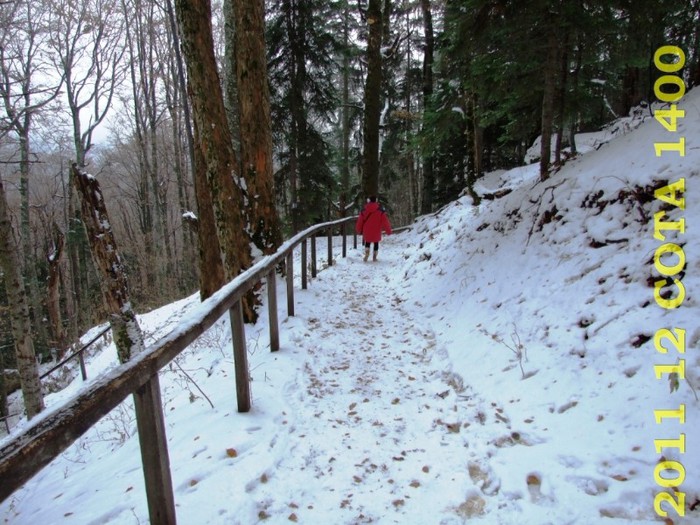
(211, 271)
(19, 314)
(255, 127)
(214, 138)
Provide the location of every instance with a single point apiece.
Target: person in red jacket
(371, 222)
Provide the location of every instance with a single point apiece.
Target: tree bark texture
(53, 260)
(230, 84)
(19, 314)
(372, 100)
(128, 337)
(211, 271)
(255, 126)
(209, 114)
(548, 100)
(428, 172)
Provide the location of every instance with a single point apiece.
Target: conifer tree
(302, 48)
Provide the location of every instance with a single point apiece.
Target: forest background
(412, 99)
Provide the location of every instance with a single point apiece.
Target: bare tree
(145, 22)
(87, 41)
(184, 156)
(22, 64)
(19, 314)
(86, 44)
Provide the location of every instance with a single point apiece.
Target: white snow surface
(493, 366)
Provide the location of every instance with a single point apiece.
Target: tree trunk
(230, 84)
(4, 412)
(145, 208)
(345, 117)
(573, 120)
(428, 172)
(298, 134)
(53, 260)
(372, 100)
(255, 126)
(211, 271)
(127, 334)
(31, 283)
(548, 98)
(76, 295)
(561, 99)
(19, 315)
(184, 125)
(209, 113)
(476, 131)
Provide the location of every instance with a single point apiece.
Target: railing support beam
(303, 265)
(154, 453)
(345, 241)
(330, 246)
(272, 311)
(313, 256)
(240, 357)
(290, 285)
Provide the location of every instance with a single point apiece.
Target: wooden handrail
(79, 354)
(54, 430)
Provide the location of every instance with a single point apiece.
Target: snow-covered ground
(496, 365)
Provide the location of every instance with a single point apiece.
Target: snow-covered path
(374, 425)
(498, 365)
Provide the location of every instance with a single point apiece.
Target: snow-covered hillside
(564, 271)
(496, 365)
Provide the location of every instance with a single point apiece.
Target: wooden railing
(79, 354)
(52, 432)
(81, 361)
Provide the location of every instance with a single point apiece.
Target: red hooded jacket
(371, 222)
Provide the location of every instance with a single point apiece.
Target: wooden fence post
(303, 265)
(154, 453)
(240, 357)
(330, 246)
(313, 256)
(272, 311)
(290, 285)
(345, 241)
(83, 370)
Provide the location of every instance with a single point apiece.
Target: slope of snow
(563, 269)
(496, 365)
